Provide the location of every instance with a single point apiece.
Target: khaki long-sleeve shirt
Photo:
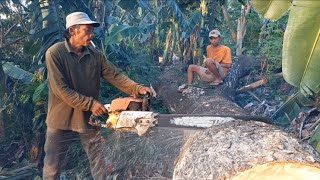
(74, 85)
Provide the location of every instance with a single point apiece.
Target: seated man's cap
(79, 18)
(214, 33)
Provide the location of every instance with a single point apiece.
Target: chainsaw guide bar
(142, 121)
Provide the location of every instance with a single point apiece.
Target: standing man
(217, 63)
(74, 72)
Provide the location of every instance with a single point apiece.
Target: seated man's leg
(193, 69)
(216, 70)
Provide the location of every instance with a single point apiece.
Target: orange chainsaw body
(126, 104)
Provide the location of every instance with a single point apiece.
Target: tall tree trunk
(200, 53)
(173, 42)
(241, 28)
(178, 40)
(2, 91)
(2, 85)
(194, 41)
(229, 24)
(167, 46)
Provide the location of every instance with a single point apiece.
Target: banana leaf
(315, 140)
(118, 33)
(272, 9)
(193, 21)
(301, 47)
(17, 73)
(41, 92)
(291, 108)
(177, 13)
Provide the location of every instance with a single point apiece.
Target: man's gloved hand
(98, 109)
(145, 90)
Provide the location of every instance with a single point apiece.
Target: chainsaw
(133, 114)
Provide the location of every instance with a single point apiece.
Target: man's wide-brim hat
(79, 18)
(214, 33)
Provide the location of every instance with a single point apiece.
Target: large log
(228, 150)
(153, 156)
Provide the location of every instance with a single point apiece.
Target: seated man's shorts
(210, 77)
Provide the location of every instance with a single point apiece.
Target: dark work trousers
(57, 144)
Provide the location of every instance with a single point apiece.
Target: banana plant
(301, 45)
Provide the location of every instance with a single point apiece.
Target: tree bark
(2, 91)
(166, 49)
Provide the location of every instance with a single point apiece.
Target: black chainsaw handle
(146, 101)
(98, 120)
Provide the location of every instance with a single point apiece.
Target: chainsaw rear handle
(98, 120)
(146, 101)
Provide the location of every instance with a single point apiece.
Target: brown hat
(79, 18)
(214, 33)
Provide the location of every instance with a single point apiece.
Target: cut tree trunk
(245, 150)
(152, 156)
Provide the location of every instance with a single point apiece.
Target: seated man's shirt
(221, 54)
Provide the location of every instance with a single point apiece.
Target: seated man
(217, 63)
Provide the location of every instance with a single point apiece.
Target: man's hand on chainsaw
(98, 109)
(145, 90)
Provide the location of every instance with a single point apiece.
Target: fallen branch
(303, 117)
(256, 84)
(252, 85)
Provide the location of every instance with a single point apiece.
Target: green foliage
(315, 140)
(121, 33)
(251, 39)
(18, 112)
(271, 46)
(41, 92)
(31, 48)
(194, 19)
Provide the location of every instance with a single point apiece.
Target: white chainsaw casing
(141, 121)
